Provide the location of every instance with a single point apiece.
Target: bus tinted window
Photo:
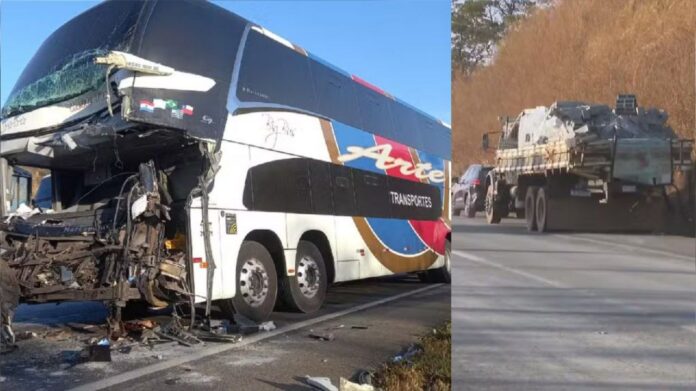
(273, 73)
(335, 94)
(407, 124)
(374, 112)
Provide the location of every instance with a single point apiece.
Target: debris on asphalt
(139, 325)
(99, 352)
(358, 327)
(320, 383)
(267, 326)
(363, 377)
(176, 332)
(322, 336)
(347, 385)
(57, 335)
(172, 381)
(408, 354)
(21, 336)
(243, 325)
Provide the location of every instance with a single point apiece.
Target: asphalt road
(571, 311)
(371, 321)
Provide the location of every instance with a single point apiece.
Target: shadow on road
(491, 229)
(532, 251)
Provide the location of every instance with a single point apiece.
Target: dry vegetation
(588, 50)
(429, 370)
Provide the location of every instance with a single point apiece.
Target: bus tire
(530, 208)
(542, 209)
(257, 284)
(442, 274)
(306, 290)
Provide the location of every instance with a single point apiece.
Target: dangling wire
(108, 90)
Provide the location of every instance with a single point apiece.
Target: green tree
(478, 25)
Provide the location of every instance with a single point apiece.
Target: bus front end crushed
(115, 252)
(127, 127)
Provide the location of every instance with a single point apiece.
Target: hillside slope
(588, 50)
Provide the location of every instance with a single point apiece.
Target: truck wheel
(306, 290)
(542, 209)
(257, 284)
(442, 274)
(469, 208)
(529, 208)
(492, 209)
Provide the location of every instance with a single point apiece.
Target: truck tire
(493, 214)
(442, 275)
(257, 284)
(542, 209)
(306, 290)
(530, 208)
(469, 208)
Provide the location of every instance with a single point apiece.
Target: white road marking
(627, 246)
(555, 284)
(223, 347)
(477, 259)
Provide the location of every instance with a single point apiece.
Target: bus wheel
(306, 290)
(442, 274)
(257, 284)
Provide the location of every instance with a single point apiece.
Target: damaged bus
(196, 157)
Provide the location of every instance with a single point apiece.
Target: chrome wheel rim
(308, 276)
(253, 282)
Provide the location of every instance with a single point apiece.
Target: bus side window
(375, 112)
(272, 72)
(343, 196)
(320, 187)
(335, 94)
(371, 194)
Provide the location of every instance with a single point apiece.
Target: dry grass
(587, 50)
(430, 370)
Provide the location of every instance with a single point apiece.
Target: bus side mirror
(485, 143)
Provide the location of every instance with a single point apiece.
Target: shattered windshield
(63, 67)
(77, 76)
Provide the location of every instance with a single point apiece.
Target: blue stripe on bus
(397, 235)
(438, 164)
(348, 136)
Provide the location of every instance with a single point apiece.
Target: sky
(403, 47)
